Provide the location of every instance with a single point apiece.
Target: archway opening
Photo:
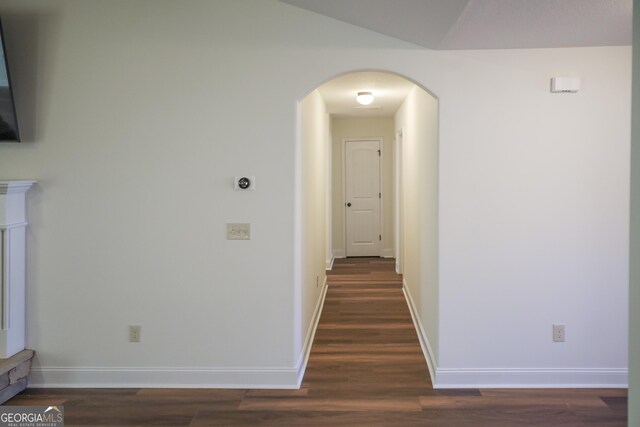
(403, 121)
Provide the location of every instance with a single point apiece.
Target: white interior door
(362, 198)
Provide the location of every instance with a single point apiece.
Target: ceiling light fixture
(364, 98)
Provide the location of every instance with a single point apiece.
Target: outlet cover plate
(558, 333)
(134, 333)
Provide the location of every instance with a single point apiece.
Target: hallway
(366, 339)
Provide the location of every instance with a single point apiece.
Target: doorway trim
(344, 190)
(398, 212)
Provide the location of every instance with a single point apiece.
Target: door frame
(344, 189)
(398, 210)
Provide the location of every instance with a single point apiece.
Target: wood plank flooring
(365, 369)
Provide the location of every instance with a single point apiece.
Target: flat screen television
(8, 120)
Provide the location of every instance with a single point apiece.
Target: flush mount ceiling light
(364, 98)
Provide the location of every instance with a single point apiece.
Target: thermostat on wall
(244, 183)
(565, 84)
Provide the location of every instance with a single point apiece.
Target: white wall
(534, 216)
(138, 113)
(376, 127)
(315, 144)
(634, 303)
(141, 119)
(417, 118)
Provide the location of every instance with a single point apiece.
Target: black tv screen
(8, 120)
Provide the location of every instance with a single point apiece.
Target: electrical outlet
(134, 333)
(558, 333)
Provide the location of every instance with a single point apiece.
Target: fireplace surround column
(13, 225)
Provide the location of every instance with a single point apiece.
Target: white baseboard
(429, 355)
(531, 378)
(338, 253)
(125, 377)
(170, 377)
(510, 377)
(311, 333)
(387, 253)
(329, 263)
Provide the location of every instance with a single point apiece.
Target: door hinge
(379, 195)
(380, 237)
(379, 153)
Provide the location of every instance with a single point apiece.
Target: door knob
(349, 204)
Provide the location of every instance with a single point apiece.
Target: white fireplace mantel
(13, 223)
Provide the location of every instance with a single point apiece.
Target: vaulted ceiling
(487, 24)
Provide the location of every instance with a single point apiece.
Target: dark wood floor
(365, 369)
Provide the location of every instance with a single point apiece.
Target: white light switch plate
(238, 231)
